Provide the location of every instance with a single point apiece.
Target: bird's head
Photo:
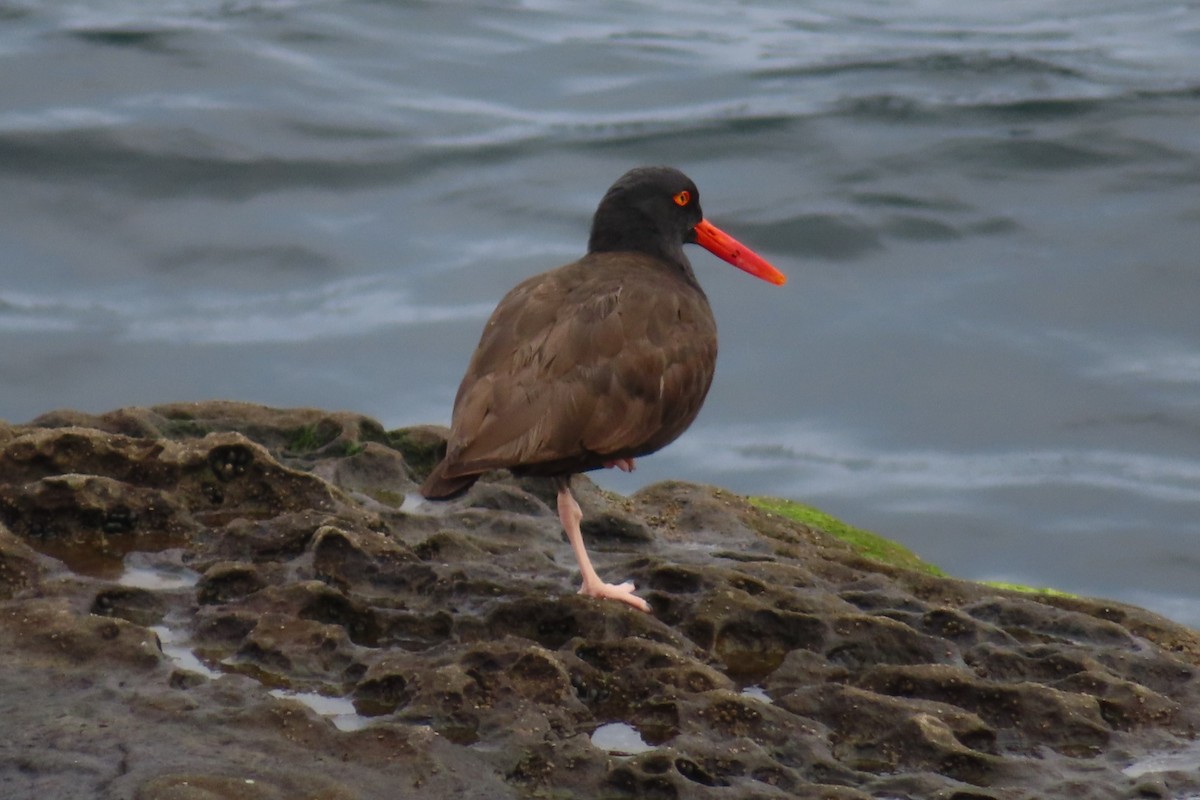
(656, 210)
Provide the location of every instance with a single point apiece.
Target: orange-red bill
(727, 248)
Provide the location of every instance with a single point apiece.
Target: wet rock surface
(220, 600)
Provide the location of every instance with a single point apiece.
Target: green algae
(304, 439)
(876, 547)
(1020, 587)
(422, 449)
(863, 542)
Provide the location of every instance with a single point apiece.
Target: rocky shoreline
(220, 600)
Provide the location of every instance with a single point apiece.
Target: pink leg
(569, 513)
(623, 464)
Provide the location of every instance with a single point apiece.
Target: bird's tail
(439, 486)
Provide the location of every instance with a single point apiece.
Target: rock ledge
(220, 600)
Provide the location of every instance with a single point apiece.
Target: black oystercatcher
(598, 362)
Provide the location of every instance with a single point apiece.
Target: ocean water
(989, 348)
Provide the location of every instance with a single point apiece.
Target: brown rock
(20, 565)
(778, 663)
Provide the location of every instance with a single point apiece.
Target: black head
(652, 210)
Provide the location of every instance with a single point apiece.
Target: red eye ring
(683, 198)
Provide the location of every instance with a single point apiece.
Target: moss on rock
(864, 542)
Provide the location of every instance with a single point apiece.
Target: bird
(599, 362)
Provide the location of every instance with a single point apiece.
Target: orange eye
(683, 198)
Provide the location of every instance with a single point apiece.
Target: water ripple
(349, 308)
(826, 464)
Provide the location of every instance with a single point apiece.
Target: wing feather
(582, 363)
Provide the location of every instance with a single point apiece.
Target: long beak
(727, 248)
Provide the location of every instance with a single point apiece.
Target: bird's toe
(622, 592)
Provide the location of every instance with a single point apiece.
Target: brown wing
(609, 357)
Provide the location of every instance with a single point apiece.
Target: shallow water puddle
(416, 504)
(1186, 760)
(757, 692)
(105, 556)
(339, 710)
(157, 577)
(175, 648)
(620, 738)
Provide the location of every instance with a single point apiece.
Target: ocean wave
(766, 76)
(1173, 363)
(155, 164)
(818, 462)
(975, 62)
(60, 118)
(348, 308)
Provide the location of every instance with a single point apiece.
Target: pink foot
(609, 591)
(623, 464)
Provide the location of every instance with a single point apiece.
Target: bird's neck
(628, 231)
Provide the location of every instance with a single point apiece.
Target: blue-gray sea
(989, 348)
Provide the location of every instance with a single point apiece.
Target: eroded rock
(778, 662)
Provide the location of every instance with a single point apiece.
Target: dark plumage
(600, 361)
